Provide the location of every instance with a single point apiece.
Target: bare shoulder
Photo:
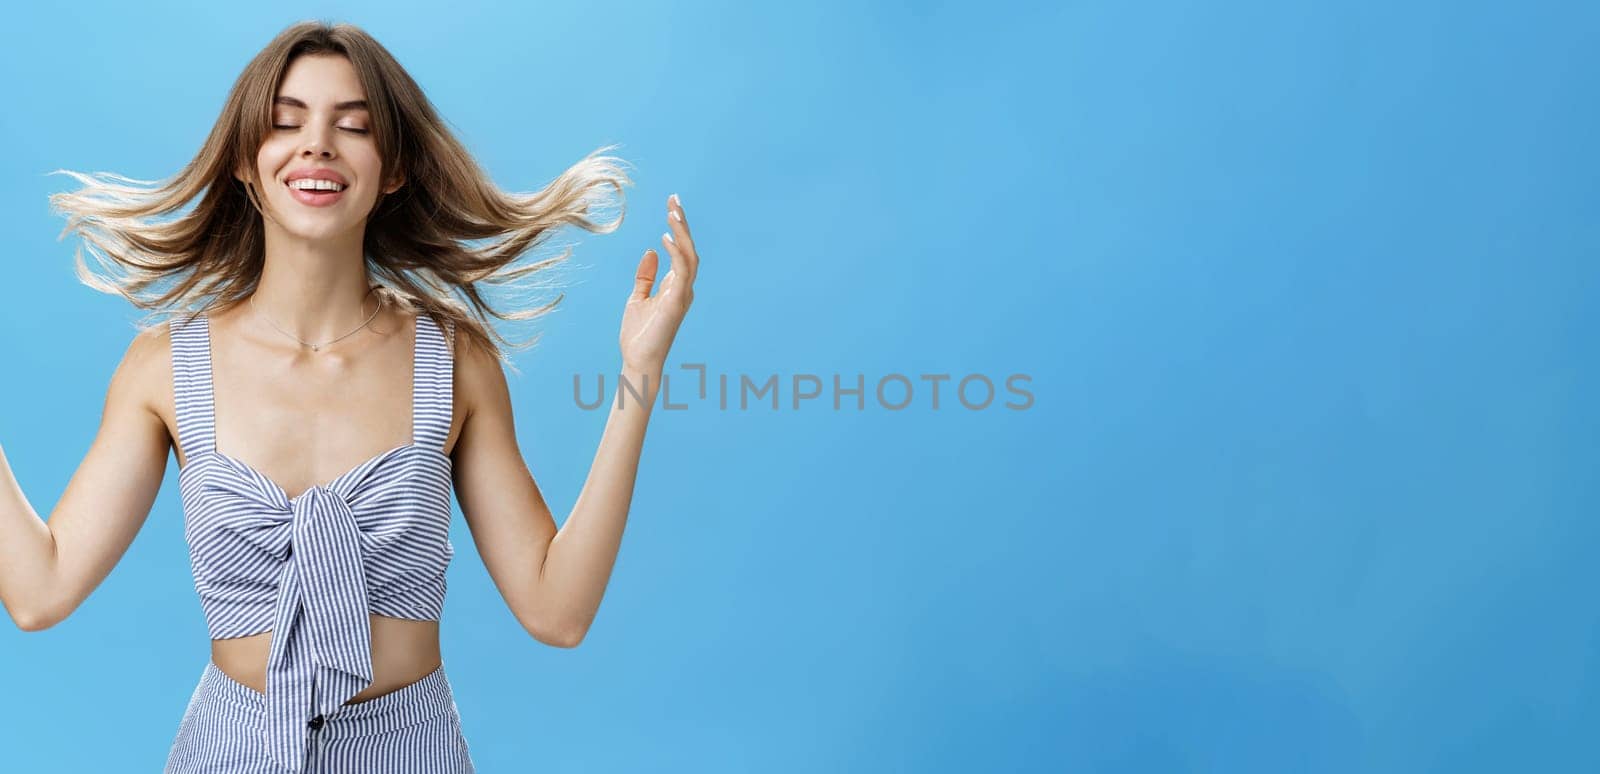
(480, 380)
(140, 393)
(143, 376)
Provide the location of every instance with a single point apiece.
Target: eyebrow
(354, 104)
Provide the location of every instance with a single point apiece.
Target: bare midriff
(403, 652)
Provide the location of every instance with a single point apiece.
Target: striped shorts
(415, 728)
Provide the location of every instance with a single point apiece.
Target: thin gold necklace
(318, 347)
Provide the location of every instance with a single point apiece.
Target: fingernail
(676, 201)
(674, 215)
(669, 238)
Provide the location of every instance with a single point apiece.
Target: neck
(314, 289)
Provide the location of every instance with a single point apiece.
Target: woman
(335, 382)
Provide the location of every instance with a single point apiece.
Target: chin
(318, 228)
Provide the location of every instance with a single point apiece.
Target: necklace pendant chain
(318, 347)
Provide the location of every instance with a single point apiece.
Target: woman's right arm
(48, 569)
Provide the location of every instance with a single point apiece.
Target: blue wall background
(1307, 297)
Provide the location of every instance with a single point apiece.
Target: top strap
(191, 384)
(433, 383)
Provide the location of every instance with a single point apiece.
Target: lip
(316, 173)
(316, 198)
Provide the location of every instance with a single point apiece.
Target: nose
(317, 145)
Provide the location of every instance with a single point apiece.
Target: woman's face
(320, 125)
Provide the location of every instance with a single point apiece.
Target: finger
(679, 263)
(680, 228)
(645, 276)
(679, 219)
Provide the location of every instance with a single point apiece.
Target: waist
(240, 706)
(403, 652)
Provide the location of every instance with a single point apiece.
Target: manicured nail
(674, 215)
(669, 238)
(676, 201)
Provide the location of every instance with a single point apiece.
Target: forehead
(321, 80)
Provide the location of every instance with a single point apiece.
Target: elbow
(570, 638)
(32, 623)
(554, 634)
(562, 637)
(34, 620)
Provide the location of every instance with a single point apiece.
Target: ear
(394, 186)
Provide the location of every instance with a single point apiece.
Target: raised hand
(649, 323)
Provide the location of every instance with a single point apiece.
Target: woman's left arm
(554, 580)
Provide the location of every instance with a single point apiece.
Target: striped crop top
(310, 568)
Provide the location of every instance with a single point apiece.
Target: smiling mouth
(316, 197)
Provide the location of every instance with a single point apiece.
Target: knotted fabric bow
(321, 651)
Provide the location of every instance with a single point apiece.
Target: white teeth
(311, 184)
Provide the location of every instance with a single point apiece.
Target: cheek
(271, 159)
(365, 163)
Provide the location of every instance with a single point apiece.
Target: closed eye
(345, 128)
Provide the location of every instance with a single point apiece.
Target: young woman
(326, 380)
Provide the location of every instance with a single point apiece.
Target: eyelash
(345, 128)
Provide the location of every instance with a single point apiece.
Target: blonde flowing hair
(419, 243)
